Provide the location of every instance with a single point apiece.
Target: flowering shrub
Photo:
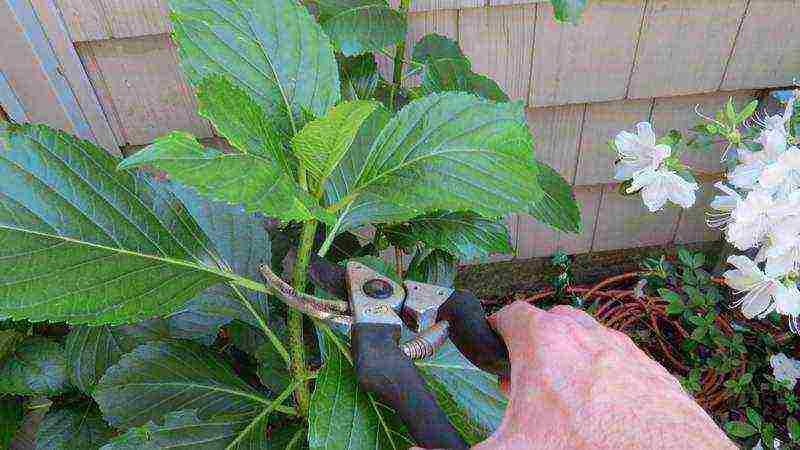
(759, 202)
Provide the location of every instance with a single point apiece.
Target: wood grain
(113, 19)
(536, 239)
(603, 121)
(499, 42)
(144, 88)
(767, 51)
(692, 225)
(588, 62)
(556, 136)
(684, 46)
(624, 222)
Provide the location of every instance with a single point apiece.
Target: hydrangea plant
(171, 338)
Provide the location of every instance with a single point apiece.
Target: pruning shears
(375, 313)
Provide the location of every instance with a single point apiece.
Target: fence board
(767, 51)
(624, 222)
(692, 225)
(144, 88)
(588, 62)
(684, 46)
(70, 67)
(602, 122)
(499, 42)
(85, 19)
(678, 113)
(536, 239)
(556, 135)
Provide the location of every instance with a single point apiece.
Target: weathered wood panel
(603, 121)
(85, 19)
(114, 19)
(556, 136)
(692, 225)
(70, 67)
(143, 88)
(535, 239)
(684, 46)
(624, 222)
(43, 78)
(767, 51)
(420, 24)
(678, 113)
(499, 42)
(588, 62)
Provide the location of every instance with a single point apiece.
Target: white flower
(763, 293)
(638, 151)
(783, 175)
(785, 368)
(782, 254)
(724, 204)
(776, 444)
(752, 164)
(750, 220)
(776, 123)
(660, 185)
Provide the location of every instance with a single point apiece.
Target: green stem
(399, 53)
(264, 327)
(295, 318)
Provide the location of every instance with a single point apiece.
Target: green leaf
(442, 75)
(37, 367)
(730, 111)
(11, 416)
(272, 367)
(322, 144)
(78, 427)
(435, 46)
(699, 333)
(558, 207)
(242, 243)
(793, 427)
(183, 429)
(84, 243)
(740, 429)
(359, 76)
(243, 178)
(360, 26)
(92, 350)
(470, 397)
(748, 111)
(342, 415)
(273, 50)
(450, 151)
(463, 234)
(433, 267)
(568, 10)
(754, 417)
(160, 377)
(25, 439)
(9, 339)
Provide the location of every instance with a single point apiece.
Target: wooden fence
(107, 71)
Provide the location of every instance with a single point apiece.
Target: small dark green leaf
(9, 339)
(160, 377)
(37, 367)
(568, 10)
(793, 426)
(92, 350)
(11, 416)
(754, 417)
(442, 75)
(79, 427)
(748, 111)
(433, 267)
(359, 76)
(435, 46)
(342, 415)
(740, 429)
(360, 26)
(558, 207)
(464, 234)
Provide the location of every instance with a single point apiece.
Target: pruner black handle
(383, 369)
(472, 334)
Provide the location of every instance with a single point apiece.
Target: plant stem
(295, 318)
(399, 53)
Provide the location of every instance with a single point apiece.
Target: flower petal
(646, 134)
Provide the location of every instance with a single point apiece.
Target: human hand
(576, 384)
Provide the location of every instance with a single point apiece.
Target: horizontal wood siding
(625, 62)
